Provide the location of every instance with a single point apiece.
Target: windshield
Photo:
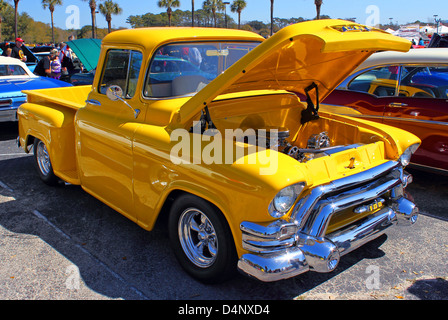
(185, 68)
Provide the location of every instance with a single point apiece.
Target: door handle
(93, 102)
(397, 105)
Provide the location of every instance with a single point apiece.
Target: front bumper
(286, 249)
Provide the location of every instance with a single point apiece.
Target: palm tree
(272, 17)
(192, 13)
(108, 9)
(238, 6)
(92, 5)
(318, 4)
(50, 4)
(213, 6)
(16, 8)
(168, 4)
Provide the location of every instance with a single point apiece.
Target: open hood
(87, 50)
(323, 52)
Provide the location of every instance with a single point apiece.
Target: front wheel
(201, 240)
(43, 163)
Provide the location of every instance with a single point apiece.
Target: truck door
(105, 130)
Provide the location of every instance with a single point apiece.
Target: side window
(122, 69)
(424, 82)
(381, 81)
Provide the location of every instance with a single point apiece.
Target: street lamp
(225, 11)
(437, 21)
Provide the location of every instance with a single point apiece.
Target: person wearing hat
(43, 67)
(17, 51)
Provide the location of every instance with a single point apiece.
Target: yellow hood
(322, 51)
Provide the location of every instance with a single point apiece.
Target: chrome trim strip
(441, 123)
(364, 116)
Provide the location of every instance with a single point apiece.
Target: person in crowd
(55, 64)
(17, 51)
(66, 58)
(43, 67)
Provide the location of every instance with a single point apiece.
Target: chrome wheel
(198, 237)
(43, 159)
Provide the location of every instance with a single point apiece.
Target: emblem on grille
(373, 206)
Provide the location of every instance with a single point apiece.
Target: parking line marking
(4, 186)
(66, 236)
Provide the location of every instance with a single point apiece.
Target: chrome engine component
(318, 145)
(273, 138)
(319, 141)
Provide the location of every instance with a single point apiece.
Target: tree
(318, 4)
(92, 5)
(50, 4)
(168, 4)
(192, 13)
(16, 17)
(108, 9)
(3, 7)
(272, 17)
(238, 6)
(213, 6)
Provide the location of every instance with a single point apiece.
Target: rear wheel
(43, 163)
(201, 240)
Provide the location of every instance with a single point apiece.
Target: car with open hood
(249, 176)
(86, 55)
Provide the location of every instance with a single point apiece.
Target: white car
(15, 77)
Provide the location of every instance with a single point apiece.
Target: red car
(406, 90)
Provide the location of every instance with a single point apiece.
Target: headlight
(284, 200)
(405, 158)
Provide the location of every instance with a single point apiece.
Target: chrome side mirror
(115, 93)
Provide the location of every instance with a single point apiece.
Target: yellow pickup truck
(220, 130)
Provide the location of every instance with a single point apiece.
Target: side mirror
(115, 93)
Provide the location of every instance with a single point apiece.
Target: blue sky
(402, 11)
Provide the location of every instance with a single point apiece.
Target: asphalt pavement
(60, 243)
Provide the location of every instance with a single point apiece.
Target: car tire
(43, 163)
(201, 240)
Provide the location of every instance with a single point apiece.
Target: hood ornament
(352, 163)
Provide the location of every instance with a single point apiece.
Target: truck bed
(48, 115)
(71, 97)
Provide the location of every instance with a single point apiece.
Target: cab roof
(154, 37)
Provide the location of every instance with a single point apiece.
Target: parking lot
(61, 243)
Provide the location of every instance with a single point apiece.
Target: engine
(318, 145)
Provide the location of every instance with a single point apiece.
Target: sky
(365, 11)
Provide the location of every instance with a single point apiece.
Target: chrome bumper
(286, 249)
